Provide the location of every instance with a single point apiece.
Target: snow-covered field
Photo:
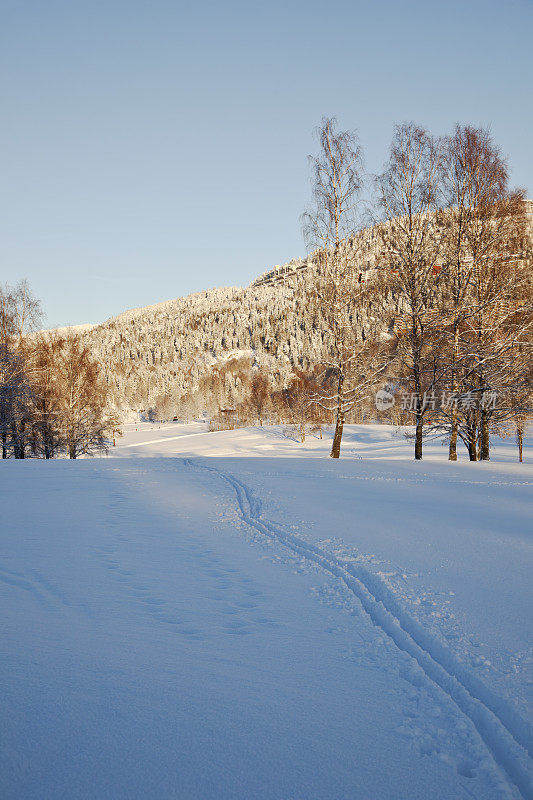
(266, 624)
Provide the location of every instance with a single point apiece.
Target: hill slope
(166, 350)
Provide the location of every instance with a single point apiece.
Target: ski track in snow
(506, 735)
(165, 439)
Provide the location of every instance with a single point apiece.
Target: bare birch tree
(19, 313)
(329, 226)
(408, 194)
(85, 423)
(260, 391)
(485, 299)
(46, 399)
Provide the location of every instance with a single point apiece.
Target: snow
(359, 442)
(234, 615)
(71, 330)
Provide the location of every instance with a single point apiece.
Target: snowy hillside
(167, 349)
(72, 330)
(268, 623)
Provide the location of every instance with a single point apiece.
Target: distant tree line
(53, 401)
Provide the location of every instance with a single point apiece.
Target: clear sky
(151, 149)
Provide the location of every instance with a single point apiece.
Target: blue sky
(152, 149)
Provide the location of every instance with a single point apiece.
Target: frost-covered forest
(169, 349)
(161, 356)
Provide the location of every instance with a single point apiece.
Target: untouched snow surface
(266, 624)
